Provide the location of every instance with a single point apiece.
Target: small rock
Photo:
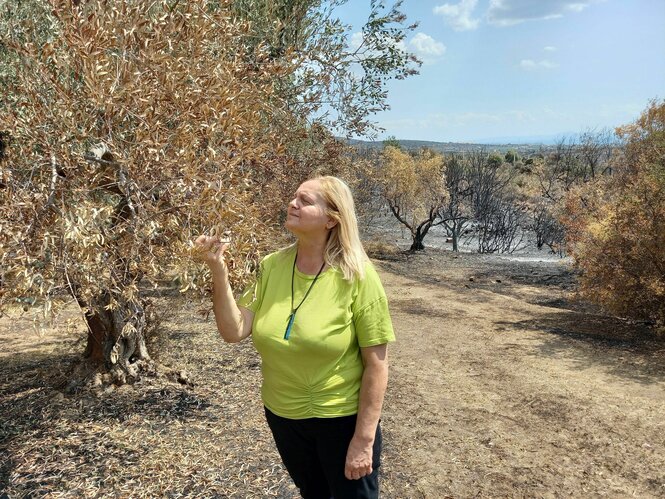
(183, 377)
(58, 397)
(106, 379)
(97, 380)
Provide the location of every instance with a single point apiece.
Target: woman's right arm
(233, 323)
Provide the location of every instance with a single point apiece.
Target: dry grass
(382, 250)
(205, 437)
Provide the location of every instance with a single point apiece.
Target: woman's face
(306, 213)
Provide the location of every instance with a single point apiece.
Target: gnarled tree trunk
(116, 338)
(116, 326)
(419, 236)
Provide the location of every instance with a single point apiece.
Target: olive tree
(413, 186)
(341, 79)
(133, 127)
(127, 129)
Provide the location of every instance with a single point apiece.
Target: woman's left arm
(372, 389)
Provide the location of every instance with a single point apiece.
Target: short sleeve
(252, 295)
(371, 316)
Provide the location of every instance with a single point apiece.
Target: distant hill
(546, 140)
(447, 146)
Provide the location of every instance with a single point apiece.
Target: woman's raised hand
(211, 250)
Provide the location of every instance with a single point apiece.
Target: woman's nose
(294, 203)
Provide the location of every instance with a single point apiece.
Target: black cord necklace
(292, 317)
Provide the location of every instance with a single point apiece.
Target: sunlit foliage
(413, 186)
(616, 225)
(127, 128)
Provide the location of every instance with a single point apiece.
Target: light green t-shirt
(317, 371)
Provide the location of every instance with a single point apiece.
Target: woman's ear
(331, 223)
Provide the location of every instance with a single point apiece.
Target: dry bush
(616, 226)
(382, 250)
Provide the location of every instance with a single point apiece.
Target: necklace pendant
(287, 333)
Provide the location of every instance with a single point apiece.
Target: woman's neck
(310, 255)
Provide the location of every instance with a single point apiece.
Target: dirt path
(493, 394)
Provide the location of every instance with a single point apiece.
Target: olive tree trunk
(116, 338)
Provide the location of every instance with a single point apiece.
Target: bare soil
(501, 386)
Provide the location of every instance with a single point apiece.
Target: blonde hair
(343, 249)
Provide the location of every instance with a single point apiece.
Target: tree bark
(418, 238)
(116, 326)
(116, 338)
(417, 245)
(455, 238)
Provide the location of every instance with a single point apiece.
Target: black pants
(314, 453)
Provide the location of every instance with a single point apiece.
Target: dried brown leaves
(194, 138)
(156, 438)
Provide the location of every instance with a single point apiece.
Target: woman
(318, 316)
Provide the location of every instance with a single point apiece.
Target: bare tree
(560, 170)
(501, 227)
(499, 222)
(595, 151)
(548, 230)
(455, 212)
(576, 161)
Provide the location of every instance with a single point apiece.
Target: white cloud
(356, 40)
(426, 48)
(578, 7)
(549, 48)
(422, 45)
(458, 16)
(511, 12)
(531, 64)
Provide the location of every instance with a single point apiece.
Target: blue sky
(523, 68)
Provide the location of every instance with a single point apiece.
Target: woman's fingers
(211, 250)
(221, 250)
(204, 242)
(357, 473)
(204, 246)
(358, 460)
